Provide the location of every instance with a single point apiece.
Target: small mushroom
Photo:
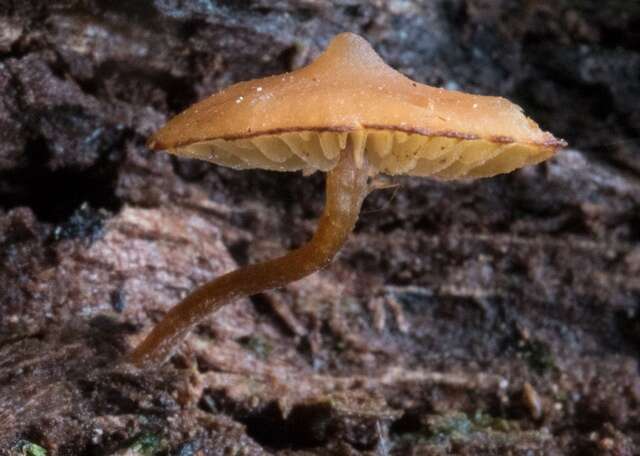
(352, 116)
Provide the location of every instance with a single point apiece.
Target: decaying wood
(472, 318)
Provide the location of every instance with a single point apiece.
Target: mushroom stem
(346, 188)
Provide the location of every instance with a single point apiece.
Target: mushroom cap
(349, 96)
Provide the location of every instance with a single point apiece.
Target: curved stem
(346, 188)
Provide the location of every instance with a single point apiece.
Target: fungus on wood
(352, 116)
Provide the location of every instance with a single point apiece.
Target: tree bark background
(470, 318)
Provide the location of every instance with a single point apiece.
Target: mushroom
(352, 116)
